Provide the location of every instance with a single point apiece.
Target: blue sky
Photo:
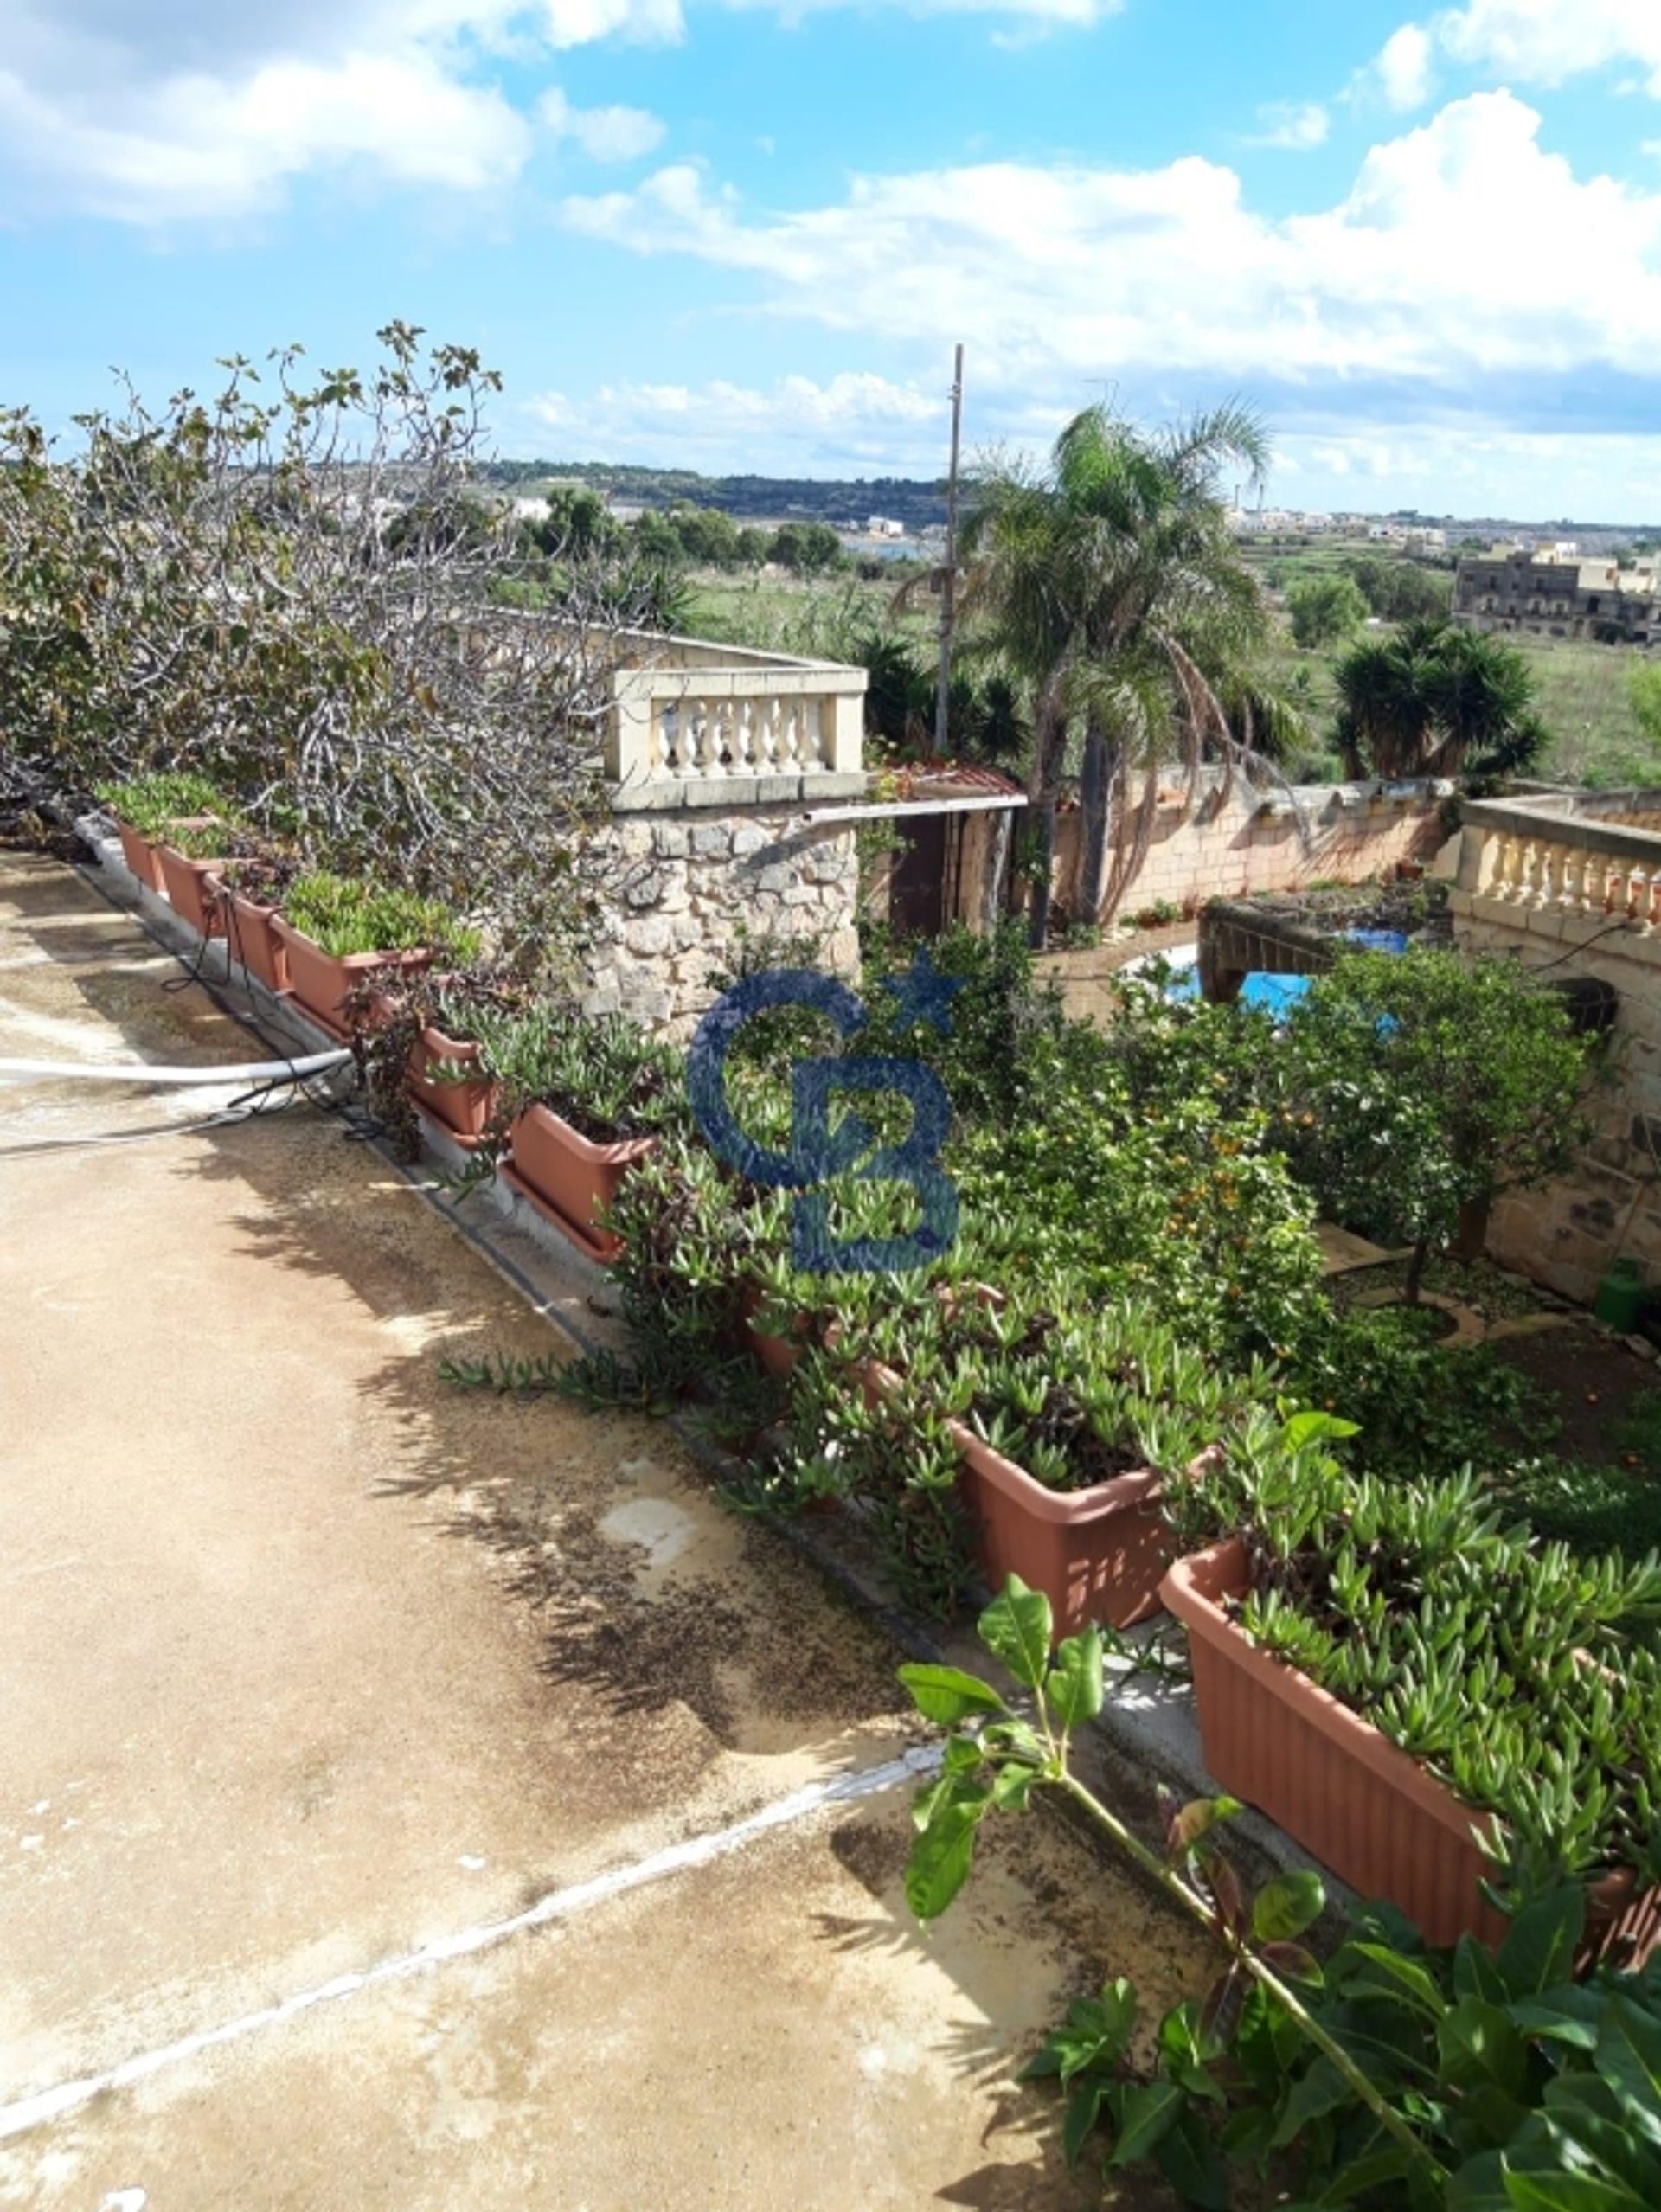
(745, 234)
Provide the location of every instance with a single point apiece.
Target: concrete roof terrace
(320, 1674)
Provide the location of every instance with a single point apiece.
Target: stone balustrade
(1562, 861)
(701, 724)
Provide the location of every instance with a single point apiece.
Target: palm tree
(1109, 583)
(1433, 700)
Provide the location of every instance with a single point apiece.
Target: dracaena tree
(1435, 699)
(1109, 583)
(297, 587)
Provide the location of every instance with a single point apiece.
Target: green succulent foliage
(600, 1072)
(346, 916)
(1386, 2074)
(1076, 1397)
(155, 805)
(1524, 1676)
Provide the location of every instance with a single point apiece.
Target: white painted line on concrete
(558, 1905)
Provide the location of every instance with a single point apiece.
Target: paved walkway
(317, 1674)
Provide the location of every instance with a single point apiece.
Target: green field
(1581, 686)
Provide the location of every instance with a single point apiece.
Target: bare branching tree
(298, 588)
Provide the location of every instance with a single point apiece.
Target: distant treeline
(906, 499)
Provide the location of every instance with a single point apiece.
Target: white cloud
(604, 133)
(197, 146)
(1542, 42)
(1293, 127)
(169, 111)
(1475, 467)
(1462, 250)
(1401, 74)
(853, 418)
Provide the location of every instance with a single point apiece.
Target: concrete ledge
(674, 795)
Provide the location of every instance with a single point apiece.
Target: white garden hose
(252, 1071)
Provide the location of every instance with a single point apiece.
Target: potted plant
(1069, 1432)
(250, 890)
(192, 856)
(588, 1101)
(146, 808)
(1448, 1714)
(336, 934)
(445, 1067)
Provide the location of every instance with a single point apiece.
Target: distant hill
(747, 498)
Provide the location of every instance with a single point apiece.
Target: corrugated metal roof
(954, 780)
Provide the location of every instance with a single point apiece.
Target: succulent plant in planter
(250, 887)
(181, 813)
(1450, 1714)
(1070, 1427)
(578, 1102)
(336, 931)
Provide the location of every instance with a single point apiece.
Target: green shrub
(347, 916)
(1422, 1085)
(1591, 1510)
(1386, 2075)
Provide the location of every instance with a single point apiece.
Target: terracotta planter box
(569, 1179)
(250, 939)
(320, 981)
(1354, 1799)
(464, 1109)
(141, 856)
(1097, 1554)
(186, 884)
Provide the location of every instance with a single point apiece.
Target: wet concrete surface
(310, 1658)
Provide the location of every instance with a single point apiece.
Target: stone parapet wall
(1230, 848)
(693, 887)
(1566, 1234)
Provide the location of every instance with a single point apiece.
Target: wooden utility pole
(949, 577)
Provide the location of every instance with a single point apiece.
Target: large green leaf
(1312, 1427)
(1148, 2112)
(1190, 2160)
(1382, 2159)
(1285, 1906)
(1015, 1628)
(1321, 2090)
(941, 1856)
(1479, 2185)
(1083, 2109)
(1479, 2046)
(1539, 1952)
(1570, 2015)
(1568, 2192)
(1608, 2141)
(1629, 2055)
(1074, 1686)
(948, 1695)
(1401, 1977)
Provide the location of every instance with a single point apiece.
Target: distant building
(884, 526)
(1554, 595)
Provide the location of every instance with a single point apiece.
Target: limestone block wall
(691, 885)
(1566, 1234)
(1225, 848)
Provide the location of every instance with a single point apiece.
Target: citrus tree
(1423, 1085)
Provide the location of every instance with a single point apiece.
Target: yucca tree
(1109, 583)
(1433, 700)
